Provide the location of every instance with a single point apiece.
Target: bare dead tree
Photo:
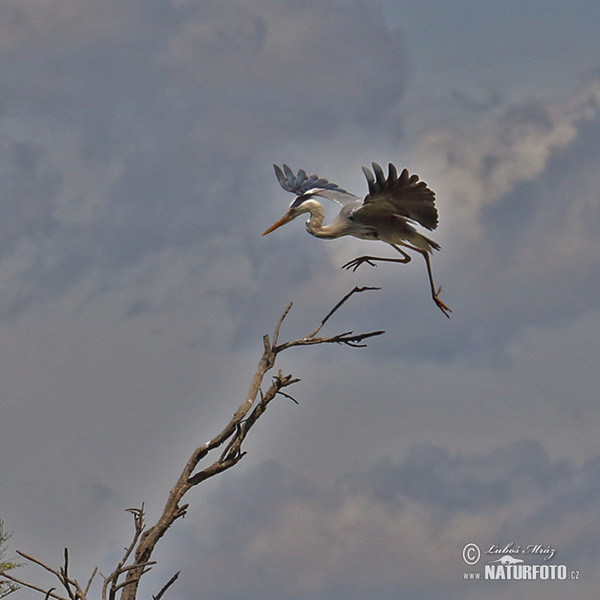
(227, 449)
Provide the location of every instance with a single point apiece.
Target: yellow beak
(285, 219)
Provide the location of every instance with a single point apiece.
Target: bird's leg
(355, 263)
(434, 293)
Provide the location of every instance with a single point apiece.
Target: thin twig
(356, 290)
(150, 563)
(288, 396)
(89, 583)
(166, 586)
(48, 593)
(348, 338)
(143, 571)
(278, 326)
(38, 562)
(67, 582)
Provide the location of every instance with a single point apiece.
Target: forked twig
(356, 290)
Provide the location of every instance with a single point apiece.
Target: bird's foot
(355, 263)
(446, 310)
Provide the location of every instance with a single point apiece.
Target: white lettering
(525, 572)
(548, 552)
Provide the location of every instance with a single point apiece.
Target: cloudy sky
(136, 143)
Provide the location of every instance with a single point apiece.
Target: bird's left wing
(301, 183)
(401, 195)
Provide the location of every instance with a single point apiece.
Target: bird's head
(301, 204)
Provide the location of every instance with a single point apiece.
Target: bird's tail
(423, 242)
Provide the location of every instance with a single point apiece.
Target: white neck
(314, 225)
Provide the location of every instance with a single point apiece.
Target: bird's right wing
(401, 195)
(302, 183)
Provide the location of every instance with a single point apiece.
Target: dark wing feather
(401, 195)
(301, 183)
(317, 186)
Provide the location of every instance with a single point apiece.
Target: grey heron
(387, 214)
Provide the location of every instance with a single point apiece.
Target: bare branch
(47, 593)
(39, 562)
(71, 586)
(89, 583)
(144, 568)
(65, 569)
(281, 319)
(356, 290)
(288, 396)
(149, 564)
(112, 579)
(166, 586)
(136, 559)
(68, 583)
(348, 338)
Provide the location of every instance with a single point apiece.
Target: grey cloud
(155, 141)
(472, 103)
(428, 475)
(471, 484)
(517, 200)
(263, 521)
(27, 190)
(477, 170)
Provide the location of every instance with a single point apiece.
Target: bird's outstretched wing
(402, 195)
(302, 183)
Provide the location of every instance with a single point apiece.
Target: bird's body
(386, 213)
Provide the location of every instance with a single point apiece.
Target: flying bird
(387, 213)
